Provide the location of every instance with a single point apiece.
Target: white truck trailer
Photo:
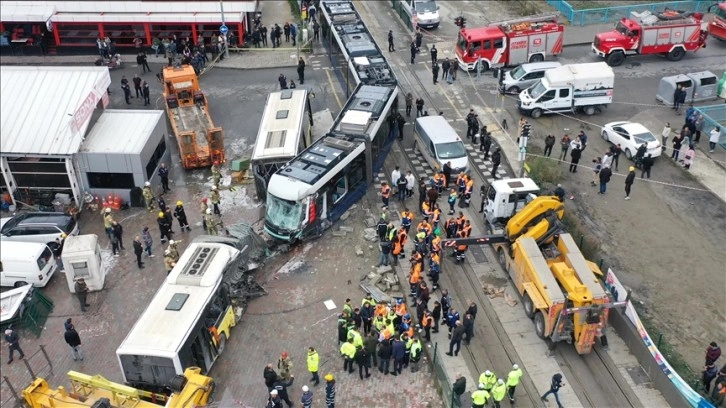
(570, 88)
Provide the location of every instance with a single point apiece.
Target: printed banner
(620, 293)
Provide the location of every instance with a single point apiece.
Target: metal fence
(614, 14)
(714, 115)
(398, 8)
(36, 365)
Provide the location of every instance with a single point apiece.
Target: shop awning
(26, 13)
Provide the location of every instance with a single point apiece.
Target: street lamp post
(224, 34)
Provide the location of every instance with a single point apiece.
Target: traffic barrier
(614, 14)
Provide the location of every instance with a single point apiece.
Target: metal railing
(613, 14)
(714, 115)
(398, 8)
(36, 365)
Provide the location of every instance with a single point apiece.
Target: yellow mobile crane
(560, 289)
(190, 390)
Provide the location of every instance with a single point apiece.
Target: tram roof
(180, 300)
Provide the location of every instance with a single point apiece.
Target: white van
(23, 263)
(438, 143)
(524, 76)
(426, 12)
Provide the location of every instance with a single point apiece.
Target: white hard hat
(481, 386)
(516, 367)
(214, 187)
(305, 388)
(108, 210)
(171, 242)
(209, 210)
(273, 392)
(147, 183)
(500, 381)
(487, 372)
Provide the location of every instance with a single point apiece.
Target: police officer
(496, 160)
(434, 53)
(435, 71)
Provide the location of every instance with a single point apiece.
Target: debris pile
(382, 284)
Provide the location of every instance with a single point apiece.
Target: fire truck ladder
(528, 20)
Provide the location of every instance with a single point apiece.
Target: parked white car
(630, 135)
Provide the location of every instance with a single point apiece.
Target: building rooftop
(121, 131)
(47, 110)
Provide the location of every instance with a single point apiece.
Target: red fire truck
(670, 33)
(717, 27)
(512, 42)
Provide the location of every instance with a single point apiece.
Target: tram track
(594, 377)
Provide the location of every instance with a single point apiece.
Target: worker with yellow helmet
(164, 227)
(181, 216)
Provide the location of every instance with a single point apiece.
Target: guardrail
(613, 14)
(714, 115)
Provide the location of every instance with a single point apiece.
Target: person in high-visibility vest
(385, 193)
(479, 397)
(512, 381)
(498, 393)
(347, 349)
(313, 363)
(406, 219)
(488, 378)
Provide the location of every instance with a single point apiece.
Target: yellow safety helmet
(179, 203)
(161, 214)
(329, 377)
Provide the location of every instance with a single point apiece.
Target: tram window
(341, 187)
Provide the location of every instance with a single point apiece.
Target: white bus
(281, 137)
(187, 322)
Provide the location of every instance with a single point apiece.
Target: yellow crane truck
(188, 391)
(560, 289)
(200, 143)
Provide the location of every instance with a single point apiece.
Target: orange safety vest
(461, 234)
(407, 214)
(381, 310)
(426, 209)
(460, 221)
(397, 247)
(386, 191)
(415, 274)
(386, 333)
(466, 231)
(402, 236)
(424, 226)
(436, 243)
(427, 321)
(469, 186)
(401, 309)
(437, 216)
(416, 258)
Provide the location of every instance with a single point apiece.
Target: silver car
(41, 227)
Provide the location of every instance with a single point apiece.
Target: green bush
(545, 172)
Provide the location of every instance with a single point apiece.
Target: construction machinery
(189, 390)
(670, 33)
(561, 290)
(200, 142)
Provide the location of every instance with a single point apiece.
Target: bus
(187, 322)
(314, 189)
(281, 137)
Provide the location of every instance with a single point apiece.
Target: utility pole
(523, 138)
(223, 30)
